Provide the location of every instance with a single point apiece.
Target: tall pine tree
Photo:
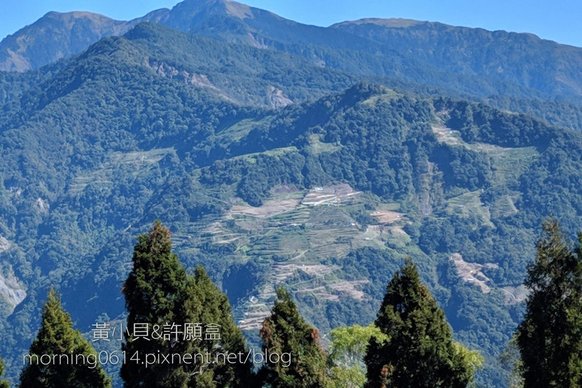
(157, 293)
(285, 333)
(419, 351)
(550, 336)
(73, 363)
(229, 339)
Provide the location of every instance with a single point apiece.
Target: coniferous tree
(60, 356)
(157, 293)
(3, 384)
(229, 339)
(419, 351)
(550, 336)
(285, 333)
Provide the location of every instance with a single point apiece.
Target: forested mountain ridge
(519, 60)
(512, 64)
(269, 169)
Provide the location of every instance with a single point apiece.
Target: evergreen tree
(419, 351)
(217, 312)
(285, 333)
(58, 338)
(550, 336)
(157, 293)
(3, 384)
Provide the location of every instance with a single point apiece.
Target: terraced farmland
(136, 162)
(294, 232)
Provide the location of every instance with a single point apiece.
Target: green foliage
(349, 343)
(419, 350)
(477, 62)
(346, 356)
(216, 310)
(550, 336)
(285, 333)
(57, 338)
(467, 359)
(156, 292)
(3, 384)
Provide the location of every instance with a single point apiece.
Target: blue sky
(556, 19)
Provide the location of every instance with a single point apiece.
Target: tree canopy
(346, 356)
(297, 358)
(157, 294)
(550, 336)
(160, 294)
(60, 356)
(419, 351)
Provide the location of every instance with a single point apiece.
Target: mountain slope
(447, 57)
(254, 26)
(518, 59)
(325, 197)
(515, 72)
(470, 61)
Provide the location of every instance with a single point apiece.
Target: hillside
(56, 36)
(516, 60)
(269, 170)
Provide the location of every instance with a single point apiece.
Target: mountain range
(511, 71)
(507, 63)
(281, 153)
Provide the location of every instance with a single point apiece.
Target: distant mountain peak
(208, 15)
(75, 14)
(391, 22)
(55, 36)
(239, 10)
(191, 8)
(480, 61)
(59, 35)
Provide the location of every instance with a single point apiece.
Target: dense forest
(181, 333)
